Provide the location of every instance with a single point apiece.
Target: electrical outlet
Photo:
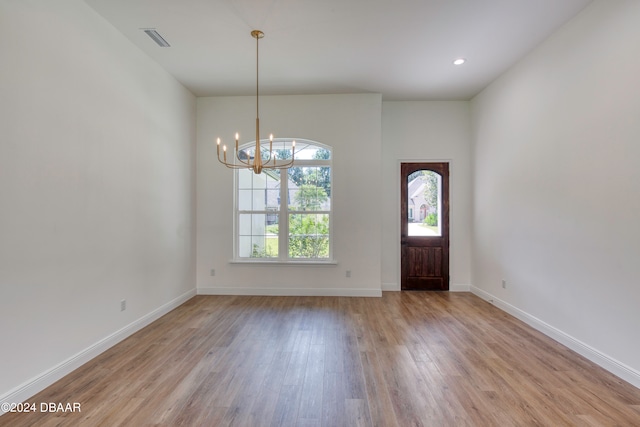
(213, 272)
(504, 284)
(123, 305)
(348, 274)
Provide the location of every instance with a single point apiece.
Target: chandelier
(243, 160)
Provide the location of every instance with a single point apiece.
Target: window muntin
(285, 215)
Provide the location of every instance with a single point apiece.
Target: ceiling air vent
(156, 37)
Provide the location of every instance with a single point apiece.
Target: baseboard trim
(44, 380)
(390, 287)
(612, 365)
(457, 287)
(393, 287)
(314, 292)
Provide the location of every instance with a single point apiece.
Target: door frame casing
(398, 219)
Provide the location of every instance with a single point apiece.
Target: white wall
(427, 131)
(350, 124)
(96, 189)
(557, 186)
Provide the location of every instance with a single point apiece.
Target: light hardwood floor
(406, 359)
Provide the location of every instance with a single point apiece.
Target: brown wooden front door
(424, 233)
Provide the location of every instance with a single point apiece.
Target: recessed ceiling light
(459, 61)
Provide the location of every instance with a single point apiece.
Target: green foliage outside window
(431, 189)
(310, 197)
(309, 233)
(431, 220)
(309, 236)
(266, 252)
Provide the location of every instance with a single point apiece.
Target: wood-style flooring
(406, 359)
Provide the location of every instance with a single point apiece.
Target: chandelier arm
(227, 164)
(224, 162)
(268, 161)
(274, 165)
(247, 163)
(232, 165)
(244, 162)
(271, 156)
(271, 163)
(236, 166)
(285, 165)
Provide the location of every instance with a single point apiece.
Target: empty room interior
(452, 239)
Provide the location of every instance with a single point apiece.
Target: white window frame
(284, 211)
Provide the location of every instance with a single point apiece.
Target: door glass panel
(424, 194)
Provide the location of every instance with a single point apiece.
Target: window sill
(284, 263)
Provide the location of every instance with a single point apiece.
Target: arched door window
(424, 189)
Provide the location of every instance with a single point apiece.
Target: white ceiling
(402, 49)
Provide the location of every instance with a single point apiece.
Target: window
(424, 192)
(285, 215)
